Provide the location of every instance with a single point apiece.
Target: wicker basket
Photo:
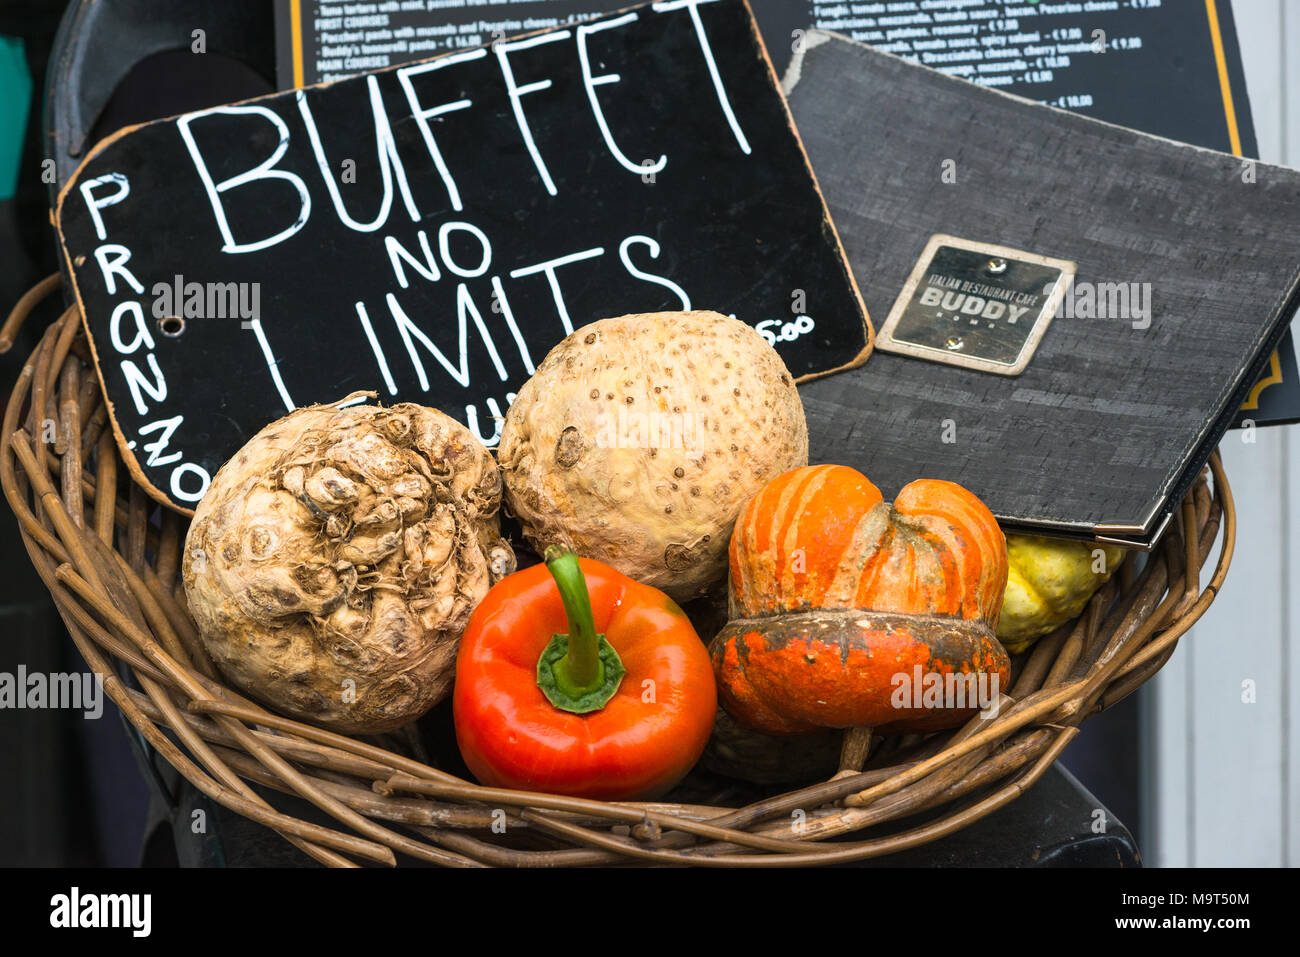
(109, 557)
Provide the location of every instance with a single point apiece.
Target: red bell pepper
(574, 679)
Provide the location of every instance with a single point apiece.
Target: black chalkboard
(429, 232)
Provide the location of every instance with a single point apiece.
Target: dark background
(73, 791)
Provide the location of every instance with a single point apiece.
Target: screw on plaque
(996, 267)
(955, 343)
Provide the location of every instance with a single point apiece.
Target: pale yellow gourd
(1049, 581)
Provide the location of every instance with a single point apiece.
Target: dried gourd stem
(853, 752)
(18, 315)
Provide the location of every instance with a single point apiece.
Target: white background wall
(1224, 779)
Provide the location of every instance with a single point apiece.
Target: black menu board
(1167, 67)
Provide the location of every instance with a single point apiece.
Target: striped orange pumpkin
(836, 593)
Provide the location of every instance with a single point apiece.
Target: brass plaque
(976, 305)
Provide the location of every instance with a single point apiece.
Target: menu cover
(1186, 271)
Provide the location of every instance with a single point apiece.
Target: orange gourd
(839, 602)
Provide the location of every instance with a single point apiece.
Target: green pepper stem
(579, 671)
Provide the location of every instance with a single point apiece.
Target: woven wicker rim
(112, 572)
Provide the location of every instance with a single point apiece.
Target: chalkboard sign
(428, 232)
